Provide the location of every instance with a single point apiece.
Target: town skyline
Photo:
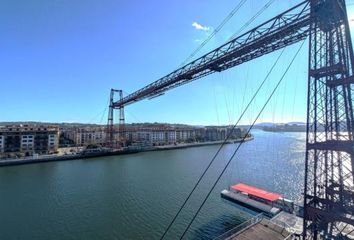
(137, 123)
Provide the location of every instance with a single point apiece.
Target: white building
(86, 136)
(26, 140)
(185, 134)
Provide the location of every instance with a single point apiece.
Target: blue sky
(59, 59)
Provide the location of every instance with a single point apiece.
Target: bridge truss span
(285, 29)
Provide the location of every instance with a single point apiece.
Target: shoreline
(13, 162)
(200, 144)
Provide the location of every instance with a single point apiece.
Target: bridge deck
(263, 230)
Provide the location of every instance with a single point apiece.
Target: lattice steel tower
(329, 198)
(111, 139)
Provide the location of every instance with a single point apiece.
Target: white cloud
(199, 26)
(351, 23)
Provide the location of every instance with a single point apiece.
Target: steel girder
(285, 29)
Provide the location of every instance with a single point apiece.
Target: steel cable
(267, 5)
(238, 147)
(221, 25)
(222, 145)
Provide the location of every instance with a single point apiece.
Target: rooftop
(257, 192)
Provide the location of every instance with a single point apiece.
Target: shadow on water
(224, 223)
(245, 210)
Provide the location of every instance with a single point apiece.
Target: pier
(279, 218)
(250, 203)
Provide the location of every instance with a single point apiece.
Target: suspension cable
(267, 5)
(221, 25)
(243, 140)
(222, 145)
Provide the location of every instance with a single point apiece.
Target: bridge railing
(241, 227)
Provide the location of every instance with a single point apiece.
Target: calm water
(135, 196)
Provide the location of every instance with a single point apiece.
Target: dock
(250, 203)
(278, 218)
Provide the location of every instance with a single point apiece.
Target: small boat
(258, 199)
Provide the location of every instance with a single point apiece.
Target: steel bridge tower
(328, 196)
(111, 140)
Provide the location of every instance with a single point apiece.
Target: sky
(60, 58)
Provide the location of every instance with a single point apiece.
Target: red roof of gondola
(256, 192)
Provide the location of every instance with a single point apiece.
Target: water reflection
(135, 196)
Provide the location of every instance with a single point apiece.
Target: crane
(329, 181)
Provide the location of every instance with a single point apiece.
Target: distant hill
(282, 127)
(265, 124)
(296, 123)
(269, 124)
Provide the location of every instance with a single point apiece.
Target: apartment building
(2, 144)
(83, 136)
(163, 134)
(185, 134)
(26, 140)
(215, 133)
(150, 134)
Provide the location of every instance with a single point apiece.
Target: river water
(135, 196)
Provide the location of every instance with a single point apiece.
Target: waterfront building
(83, 136)
(162, 137)
(26, 140)
(165, 134)
(186, 134)
(2, 144)
(214, 133)
(150, 134)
